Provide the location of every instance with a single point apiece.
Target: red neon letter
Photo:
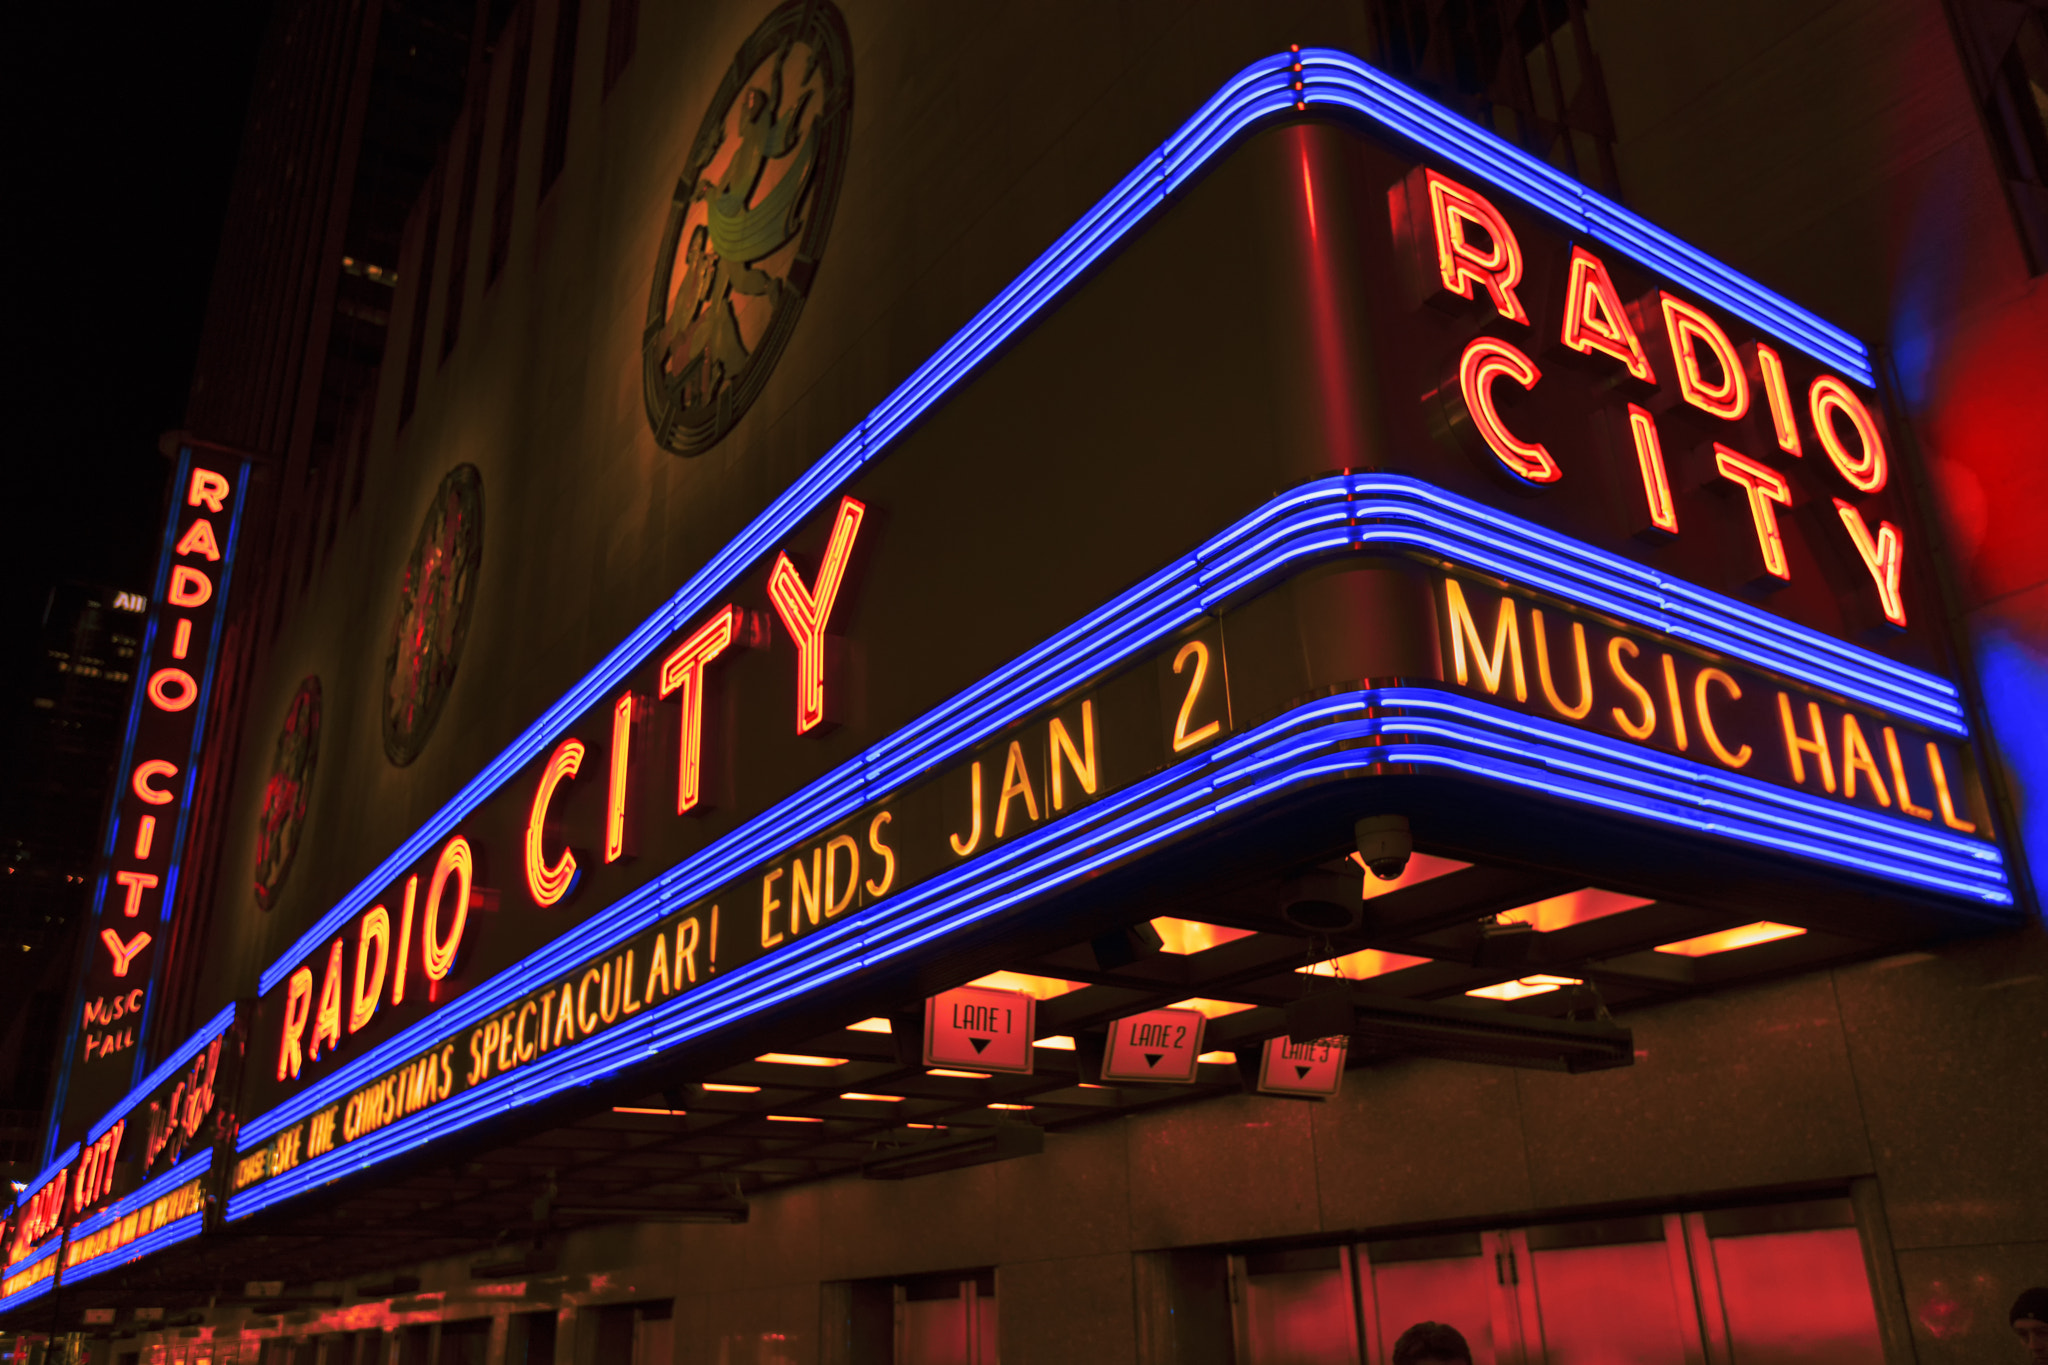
(1767, 492)
(1689, 329)
(805, 613)
(1770, 372)
(437, 954)
(1829, 395)
(1594, 319)
(207, 490)
(172, 689)
(550, 884)
(1656, 483)
(412, 895)
(1454, 210)
(198, 540)
(298, 1009)
(123, 953)
(189, 587)
(137, 883)
(140, 785)
(375, 932)
(1882, 555)
(327, 1019)
(618, 839)
(683, 672)
(1484, 361)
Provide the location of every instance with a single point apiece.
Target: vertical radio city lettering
(144, 838)
(1661, 355)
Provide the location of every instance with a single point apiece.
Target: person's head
(1432, 1343)
(2030, 1323)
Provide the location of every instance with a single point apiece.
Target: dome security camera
(1384, 844)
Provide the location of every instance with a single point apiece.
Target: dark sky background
(125, 125)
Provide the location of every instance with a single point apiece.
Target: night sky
(126, 124)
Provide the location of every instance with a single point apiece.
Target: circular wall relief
(434, 600)
(284, 795)
(747, 225)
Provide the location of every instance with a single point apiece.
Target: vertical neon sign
(143, 846)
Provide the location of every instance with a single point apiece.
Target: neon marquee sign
(477, 1037)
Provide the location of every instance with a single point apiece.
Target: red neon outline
(1686, 325)
(1865, 475)
(145, 836)
(437, 954)
(805, 613)
(135, 883)
(181, 638)
(1488, 359)
(138, 782)
(1784, 424)
(198, 540)
(398, 959)
(1883, 556)
(207, 489)
(1765, 487)
(160, 683)
(1650, 459)
(327, 1018)
(1594, 319)
(549, 884)
(189, 587)
(124, 953)
(298, 1012)
(1459, 264)
(683, 672)
(624, 712)
(375, 928)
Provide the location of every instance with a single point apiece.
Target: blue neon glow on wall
(192, 1168)
(1262, 91)
(1346, 736)
(169, 1067)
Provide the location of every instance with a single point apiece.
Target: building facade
(917, 684)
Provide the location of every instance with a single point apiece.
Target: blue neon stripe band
(165, 1069)
(1259, 92)
(184, 1173)
(30, 1294)
(170, 1234)
(1339, 737)
(1289, 532)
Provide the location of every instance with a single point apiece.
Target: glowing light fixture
(1573, 907)
(1212, 1009)
(1037, 987)
(1012, 1106)
(1362, 965)
(799, 1059)
(963, 1075)
(1728, 940)
(877, 1099)
(635, 1109)
(1524, 988)
(791, 1118)
(870, 1026)
(720, 1087)
(1190, 936)
(1059, 1042)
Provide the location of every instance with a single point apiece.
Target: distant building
(66, 736)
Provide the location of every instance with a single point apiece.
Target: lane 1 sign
(980, 1029)
(1314, 1068)
(1158, 1045)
